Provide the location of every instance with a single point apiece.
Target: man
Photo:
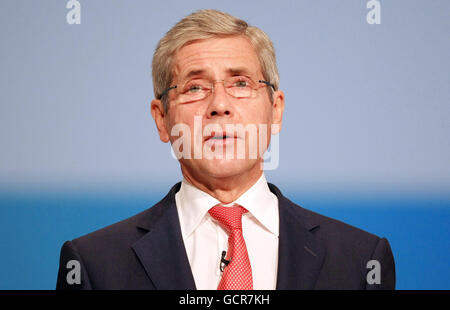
(223, 226)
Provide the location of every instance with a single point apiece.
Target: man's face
(217, 59)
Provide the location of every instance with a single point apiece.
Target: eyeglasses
(198, 89)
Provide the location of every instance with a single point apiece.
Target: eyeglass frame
(165, 92)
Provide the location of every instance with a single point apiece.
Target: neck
(225, 189)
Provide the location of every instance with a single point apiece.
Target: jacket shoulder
(320, 224)
(127, 231)
(332, 230)
(103, 253)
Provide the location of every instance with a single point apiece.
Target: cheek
(265, 122)
(178, 115)
(184, 118)
(259, 114)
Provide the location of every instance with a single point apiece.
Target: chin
(223, 168)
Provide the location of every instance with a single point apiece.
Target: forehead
(217, 57)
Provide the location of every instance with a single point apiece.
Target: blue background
(365, 135)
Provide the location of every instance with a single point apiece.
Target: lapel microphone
(223, 261)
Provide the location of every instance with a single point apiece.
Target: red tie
(238, 274)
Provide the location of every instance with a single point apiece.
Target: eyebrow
(194, 73)
(230, 71)
(239, 71)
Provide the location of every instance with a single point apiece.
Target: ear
(277, 111)
(159, 116)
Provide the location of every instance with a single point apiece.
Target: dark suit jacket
(146, 251)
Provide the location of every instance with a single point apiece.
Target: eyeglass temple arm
(166, 91)
(267, 83)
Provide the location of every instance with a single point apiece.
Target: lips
(220, 136)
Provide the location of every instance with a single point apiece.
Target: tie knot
(230, 217)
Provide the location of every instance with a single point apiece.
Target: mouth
(220, 136)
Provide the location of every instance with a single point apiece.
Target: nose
(220, 104)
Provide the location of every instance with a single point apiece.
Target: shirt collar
(193, 204)
(262, 204)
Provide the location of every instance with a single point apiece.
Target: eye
(241, 83)
(194, 88)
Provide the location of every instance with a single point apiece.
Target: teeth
(219, 137)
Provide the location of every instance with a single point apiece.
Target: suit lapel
(300, 254)
(161, 250)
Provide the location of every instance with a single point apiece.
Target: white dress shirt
(205, 239)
